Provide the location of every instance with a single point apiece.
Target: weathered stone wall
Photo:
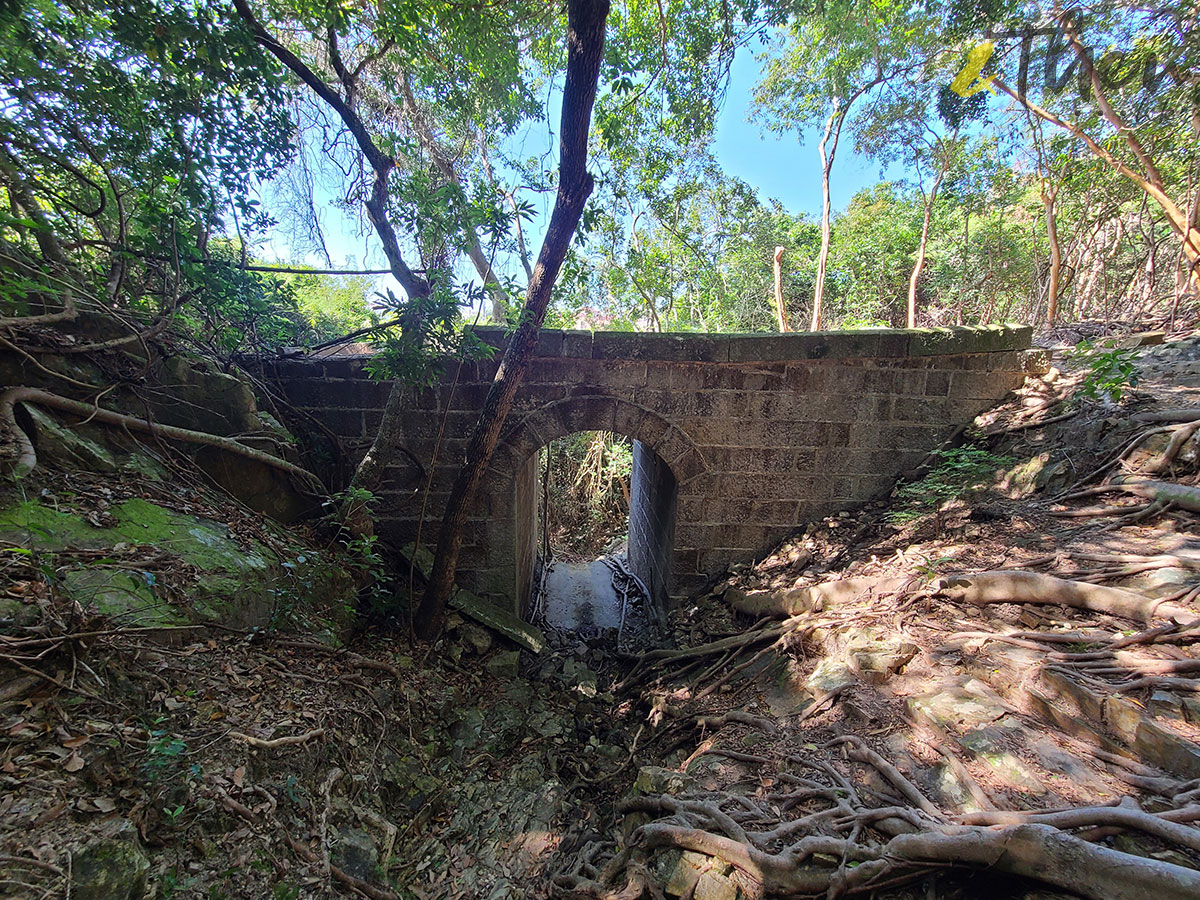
(762, 433)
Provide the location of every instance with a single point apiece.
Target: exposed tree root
(858, 751)
(798, 601)
(1038, 851)
(291, 740)
(1168, 826)
(751, 638)
(27, 455)
(1026, 426)
(1097, 511)
(1180, 436)
(1010, 586)
(68, 314)
(1168, 416)
(1180, 495)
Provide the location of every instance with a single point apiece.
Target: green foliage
(360, 555)
(296, 584)
(172, 814)
(431, 333)
(957, 473)
(132, 130)
(698, 259)
(590, 480)
(333, 305)
(1111, 370)
(164, 753)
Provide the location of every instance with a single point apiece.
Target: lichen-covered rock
(68, 448)
(695, 875)
(657, 780)
(355, 853)
(112, 867)
(969, 704)
(830, 675)
(786, 692)
(505, 664)
(474, 637)
(876, 658)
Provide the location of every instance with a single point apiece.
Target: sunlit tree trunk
(1049, 196)
(833, 129)
(823, 255)
(780, 311)
(919, 265)
(585, 48)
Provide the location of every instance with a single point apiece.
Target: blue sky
(784, 168)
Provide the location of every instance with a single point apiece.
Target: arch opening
(584, 583)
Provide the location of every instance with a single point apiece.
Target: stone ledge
(766, 347)
(867, 343)
(978, 339)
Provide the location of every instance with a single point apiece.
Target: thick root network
(1029, 587)
(1163, 492)
(798, 601)
(1040, 852)
(1001, 586)
(27, 454)
(845, 847)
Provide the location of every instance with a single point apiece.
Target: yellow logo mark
(965, 83)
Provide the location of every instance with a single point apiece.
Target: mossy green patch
(30, 524)
(204, 544)
(237, 583)
(121, 594)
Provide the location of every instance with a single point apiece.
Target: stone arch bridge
(739, 439)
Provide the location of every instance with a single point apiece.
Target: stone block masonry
(741, 438)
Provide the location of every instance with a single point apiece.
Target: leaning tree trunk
(1049, 195)
(585, 48)
(823, 256)
(919, 265)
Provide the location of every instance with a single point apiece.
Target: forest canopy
(157, 156)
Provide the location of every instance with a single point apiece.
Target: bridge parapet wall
(762, 433)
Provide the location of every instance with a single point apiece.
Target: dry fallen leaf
(72, 743)
(239, 775)
(105, 804)
(50, 815)
(74, 763)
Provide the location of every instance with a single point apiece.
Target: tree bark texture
(1049, 196)
(369, 473)
(919, 265)
(823, 255)
(585, 48)
(780, 312)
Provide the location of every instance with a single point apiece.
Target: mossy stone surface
(236, 584)
(111, 868)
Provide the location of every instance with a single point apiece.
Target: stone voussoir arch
(510, 527)
(594, 412)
